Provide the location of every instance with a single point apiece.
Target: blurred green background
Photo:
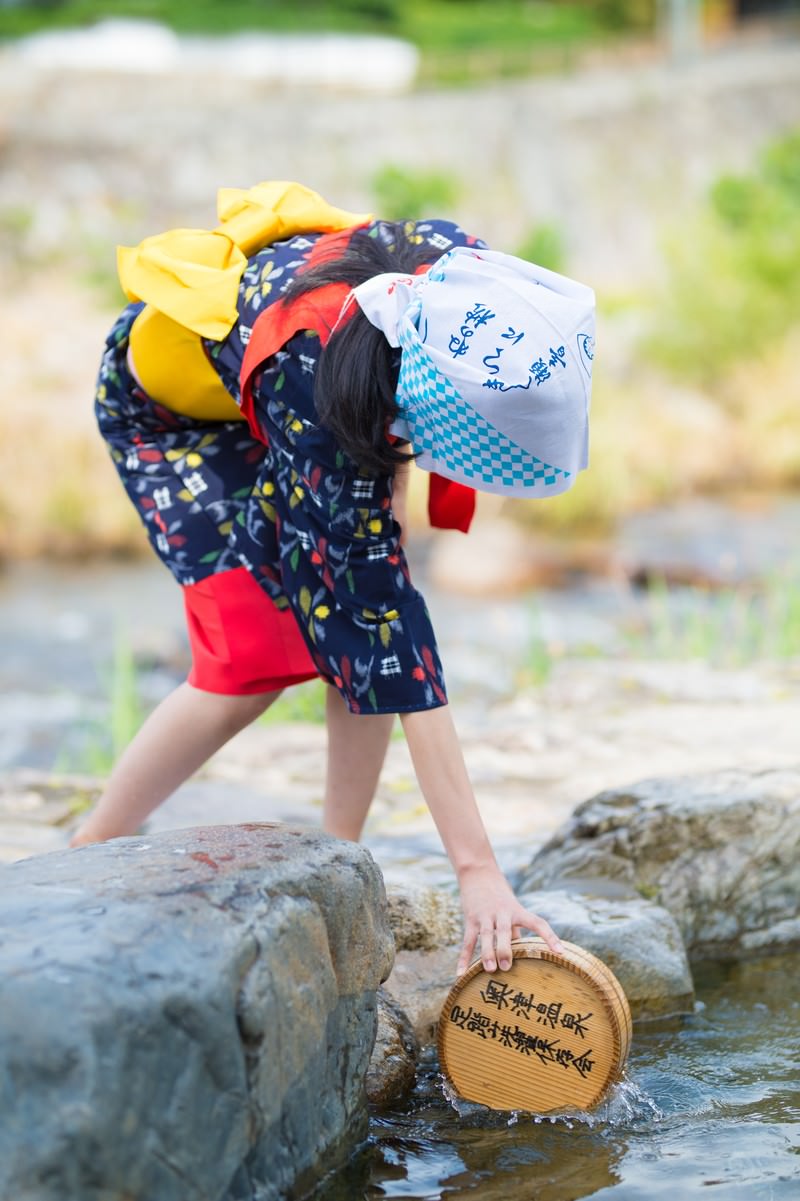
(433, 25)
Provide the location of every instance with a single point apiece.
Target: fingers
(496, 919)
(487, 948)
(495, 939)
(532, 921)
(495, 943)
(502, 942)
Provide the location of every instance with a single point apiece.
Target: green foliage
(383, 12)
(544, 245)
(734, 273)
(402, 194)
(782, 165)
(460, 41)
(15, 221)
(625, 14)
(433, 25)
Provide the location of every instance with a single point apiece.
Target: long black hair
(356, 377)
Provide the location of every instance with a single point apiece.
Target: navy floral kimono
(287, 511)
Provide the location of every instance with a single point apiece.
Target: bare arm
(490, 908)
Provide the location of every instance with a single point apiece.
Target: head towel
(496, 369)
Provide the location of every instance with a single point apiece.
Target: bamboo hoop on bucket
(551, 1033)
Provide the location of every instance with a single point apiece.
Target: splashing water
(626, 1104)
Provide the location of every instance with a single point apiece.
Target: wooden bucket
(551, 1033)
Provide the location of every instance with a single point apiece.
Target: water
(710, 1107)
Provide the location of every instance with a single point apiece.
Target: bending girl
(261, 398)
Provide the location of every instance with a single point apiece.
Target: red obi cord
(241, 643)
(451, 506)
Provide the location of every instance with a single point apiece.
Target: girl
(262, 397)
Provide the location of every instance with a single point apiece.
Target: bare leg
(356, 751)
(176, 739)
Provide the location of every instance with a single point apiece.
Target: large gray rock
(639, 941)
(720, 851)
(186, 1016)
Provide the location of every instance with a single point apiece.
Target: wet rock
(720, 851)
(393, 1066)
(422, 918)
(639, 941)
(189, 1014)
(419, 984)
(427, 927)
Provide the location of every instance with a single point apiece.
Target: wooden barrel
(551, 1033)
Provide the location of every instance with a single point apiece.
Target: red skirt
(241, 642)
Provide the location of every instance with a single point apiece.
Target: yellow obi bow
(189, 279)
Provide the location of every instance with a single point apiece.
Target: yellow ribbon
(193, 275)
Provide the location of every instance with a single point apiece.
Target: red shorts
(241, 644)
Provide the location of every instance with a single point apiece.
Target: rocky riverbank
(277, 940)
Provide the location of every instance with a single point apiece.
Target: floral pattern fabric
(317, 534)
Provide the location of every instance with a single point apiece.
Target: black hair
(356, 377)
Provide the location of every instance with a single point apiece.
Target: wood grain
(551, 1033)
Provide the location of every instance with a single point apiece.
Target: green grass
(728, 627)
(539, 659)
(545, 245)
(100, 743)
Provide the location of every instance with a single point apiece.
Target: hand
(493, 913)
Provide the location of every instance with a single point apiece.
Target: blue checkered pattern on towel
(455, 435)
